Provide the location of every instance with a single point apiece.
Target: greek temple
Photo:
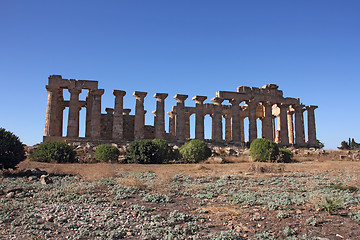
(281, 117)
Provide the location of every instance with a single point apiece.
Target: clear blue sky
(309, 48)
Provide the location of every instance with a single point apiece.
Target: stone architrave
(89, 105)
(291, 127)
(171, 123)
(139, 130)
(199, 117)
(312, 141)
(227, 127)
(299, 126)
(118, 120)
(217, 119)
(74, 109)
(284, 134)
(96, 113)
(267, 125)
(252, 120)
(159, 120)
(180, 116)
(235, 114)
(51, 111)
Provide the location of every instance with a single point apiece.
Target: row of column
(234, 124)
(56, 106)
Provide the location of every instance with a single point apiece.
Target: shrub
(285, 155)
(194, 151)
(58, 152)
(165, 152)
(262, 150)
(11, 150)
(142, 151)
(107, 153)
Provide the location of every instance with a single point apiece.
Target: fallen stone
(45, 179)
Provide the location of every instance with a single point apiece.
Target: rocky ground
(312, 200)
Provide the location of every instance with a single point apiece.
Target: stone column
(159, 120)
(96, 113)
(51, 111)
(60, 112)
(267, 126)
(312, 141)
(291, 127)
(273, 128)
(217, 119)
(59, 127)
(235, 114)
(118, 120)
(187, 125)
(180, 116)
(277, 130)
(227, 127)
(74, 108)
(299, 126)
(284, 134)
(242, 131)
(89, 105)
(139, 131)
(171, 123)
(199, 117)
(252, 120)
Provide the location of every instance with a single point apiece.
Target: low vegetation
(349, 145)
(57, 152)
(263, 150)
(239, 206)
(194, 151)
(11, 150)
(107, 153)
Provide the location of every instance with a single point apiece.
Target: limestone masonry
(117, 125)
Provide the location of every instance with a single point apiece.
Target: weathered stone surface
(251, 103)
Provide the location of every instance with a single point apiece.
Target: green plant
(262, 150)
(165, 153)
(142, 151)
(107, 153)
(58, 152)
(194, 151)
(330, 205)
(11, 150)
(285, 155)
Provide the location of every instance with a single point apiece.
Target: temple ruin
(281, 117)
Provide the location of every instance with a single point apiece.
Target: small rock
(31, 178)
(10, 195)
(45, 179)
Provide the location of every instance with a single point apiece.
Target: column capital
(251, 102)
(109, 111)
(171, 113)
(126, 111)
(226, 116)
(298, 107)
(235, 101)
(160, 96)
(267, 103)
(199, 99)
(139, 95)
(119, 93)
(180, 98)
(311, 107)
(51, 88)
(75, 90)
(217, 101)
(283, 105)
(97, 92)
